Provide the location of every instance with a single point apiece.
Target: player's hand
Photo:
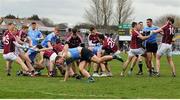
(151, 33)
(173, 40)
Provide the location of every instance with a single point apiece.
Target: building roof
(19, 22)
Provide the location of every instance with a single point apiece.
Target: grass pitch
(111, 87)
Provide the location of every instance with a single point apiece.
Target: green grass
(115, 87)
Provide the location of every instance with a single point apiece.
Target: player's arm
(90, 42)
(69, 37)
(67, 72)
(65, 50)
(30, 42)
(49, 44)
(18, 39)
(158, 31)
(44, 49)
(18, 45)
(41, 36)
(50, 47)
(143, 37)
(81, 39)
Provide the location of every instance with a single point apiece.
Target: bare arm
(44, 49)
(49, 45)
(19, 40)
(30, 41)
(65, 50)
(17, 44)
(67, 73)
(158, 31)
(143, 37)
(69, 37)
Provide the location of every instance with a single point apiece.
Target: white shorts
(164, 49)
(136, 52)
(53, 57)
(10, 56)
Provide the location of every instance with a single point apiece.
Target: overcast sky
(72, 11)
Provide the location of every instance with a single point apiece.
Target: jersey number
(111, 43)
(171, 29)
(6, 40)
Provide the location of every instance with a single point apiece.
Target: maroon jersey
(169, 31)
(22, 35)
(110, 45)
(94, 38)
(56, 49)
(48, 53)
(135, 41)
(74, 42)
(8, 40)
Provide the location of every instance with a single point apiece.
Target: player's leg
(148, 59)
(170, 60)
(158, 58)
(103, 70)
(70, 71)
(104, 58)
(74, 65)
(98, 66)
(125, 65)
(50, 69)
(83, 70)
(140, 53)
(19, 61)
(171, 63)
(28, 62)
(8, 67)
(82, 66)
(140, 65)
(95, 68)
(73, 70)
(108, 69)
(161, 50)
(133, 64)
(152, 62)
(41, 57)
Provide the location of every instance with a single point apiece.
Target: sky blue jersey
(49, 38)
(34, 35)
(153, 37)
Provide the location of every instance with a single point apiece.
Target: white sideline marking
(96, 96)
(78, 95)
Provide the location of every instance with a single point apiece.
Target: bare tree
(106, 9)
(93, 14)
(162, 19)
(99, 13)
(124, 11)
(47, 22)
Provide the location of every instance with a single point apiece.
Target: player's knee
(81, 68)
